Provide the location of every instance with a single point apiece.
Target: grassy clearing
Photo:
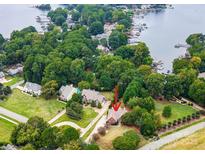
(109, 95)
(6, 129)
(88, 115)
(13, 81)
(178, 110)
(29, 106)
(105, 142)
(195, 141)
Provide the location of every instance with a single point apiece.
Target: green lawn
(13, 81)
(88, 115)
(5, 130)
(178, 111)
(32, 106)
(109, 95)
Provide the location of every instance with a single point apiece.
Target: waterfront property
(91, 95)
(32, 88)
(66, 92)
(28, 106)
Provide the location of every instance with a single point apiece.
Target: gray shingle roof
(92, 95)
(32, 86)
(201, 75)
(65, 91)
(1, 75)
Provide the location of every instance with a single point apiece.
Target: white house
(92, 95)
(32, 88)
(2, 75)
(201, 75)
(15, 70)
(66, 92)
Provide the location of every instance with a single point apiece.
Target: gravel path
(13, 115)
(174, 136)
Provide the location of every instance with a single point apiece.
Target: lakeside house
(15, 69)
(91, 95)
(201, 75)
(66, 92)
(32, 88)
(114, 117)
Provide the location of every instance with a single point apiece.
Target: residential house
(114, 117)
(32, 88)
(2, 75)
(66, 92)
(15, 69)
(201, 75)
(92, 95)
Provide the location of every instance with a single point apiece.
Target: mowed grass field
(195, 141)
(6, 129)
(29, 106)
(105, 142)
(88, 115)
(178, 110)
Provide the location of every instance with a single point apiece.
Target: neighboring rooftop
(2, 74)
(92, 95)
(32, 86)
(67, 91)
(201, 75)
(115, 115)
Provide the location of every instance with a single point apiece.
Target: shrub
(93, 104)
(99, 106)
(174, 123)
(193, 115)
(202, 112)
(102, 131)
(91, 147)
(96, 137)
(167, 111)
(188, 118)
(129, 141)
(169, 124)
(184, 119)
(179, 121)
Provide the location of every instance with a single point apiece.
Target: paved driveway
(13, 115)
(172, 137)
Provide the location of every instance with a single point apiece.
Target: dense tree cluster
(74, 108)
(58, 16)
(129, 141)
(148, 122)
(38, 134)
(44, 7)
(4, 91)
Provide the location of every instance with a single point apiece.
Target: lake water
(169, 28)
(165, 29)
(16, 17)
